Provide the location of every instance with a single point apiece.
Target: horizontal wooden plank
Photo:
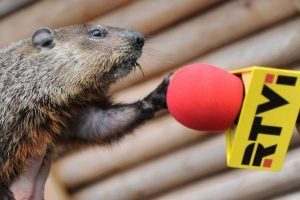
(274, 47)
(149, 16)
(160, 174)
(54, 189)
(289, 196)
(243, 184)
(206, 32)
(194, 162)
(53, 13)
(8, 6)
(157, 138)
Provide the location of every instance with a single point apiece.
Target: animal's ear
(43, 38)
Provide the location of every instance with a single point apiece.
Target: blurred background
(163, 160)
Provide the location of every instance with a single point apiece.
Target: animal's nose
(139, 40)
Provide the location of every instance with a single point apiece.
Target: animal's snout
(139, 40)
(136, 39)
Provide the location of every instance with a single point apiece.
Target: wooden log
(160, 174)
(289, 196)
(54, 188)
(294, 64)
(143, 145)
(274, 47)
(243, 184)
(255, 46)
(53, 13)
(8, 6)
(295, 137)
(206, 32)
(149, 16)
(297, 3)
(163, 173)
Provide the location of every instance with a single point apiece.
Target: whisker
(139, 66)
(148, 37)
(134, 70)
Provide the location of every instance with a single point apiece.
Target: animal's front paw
(157, 98)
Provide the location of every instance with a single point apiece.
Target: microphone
(257, 106)
(204, 97)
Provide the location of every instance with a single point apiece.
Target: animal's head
(86, 52)
(81, 57)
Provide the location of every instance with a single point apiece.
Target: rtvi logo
(275, 101)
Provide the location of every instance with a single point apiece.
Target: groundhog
(54, 95)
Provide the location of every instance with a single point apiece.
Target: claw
(158, 97)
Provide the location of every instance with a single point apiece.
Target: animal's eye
(97, 33)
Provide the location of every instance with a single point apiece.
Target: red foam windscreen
(204, 97)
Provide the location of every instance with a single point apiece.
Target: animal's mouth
(124, 67)
(126, 64)
(129, 62)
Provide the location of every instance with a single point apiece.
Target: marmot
(54, 94)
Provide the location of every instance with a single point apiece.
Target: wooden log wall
(9, 6)
(164, 160)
